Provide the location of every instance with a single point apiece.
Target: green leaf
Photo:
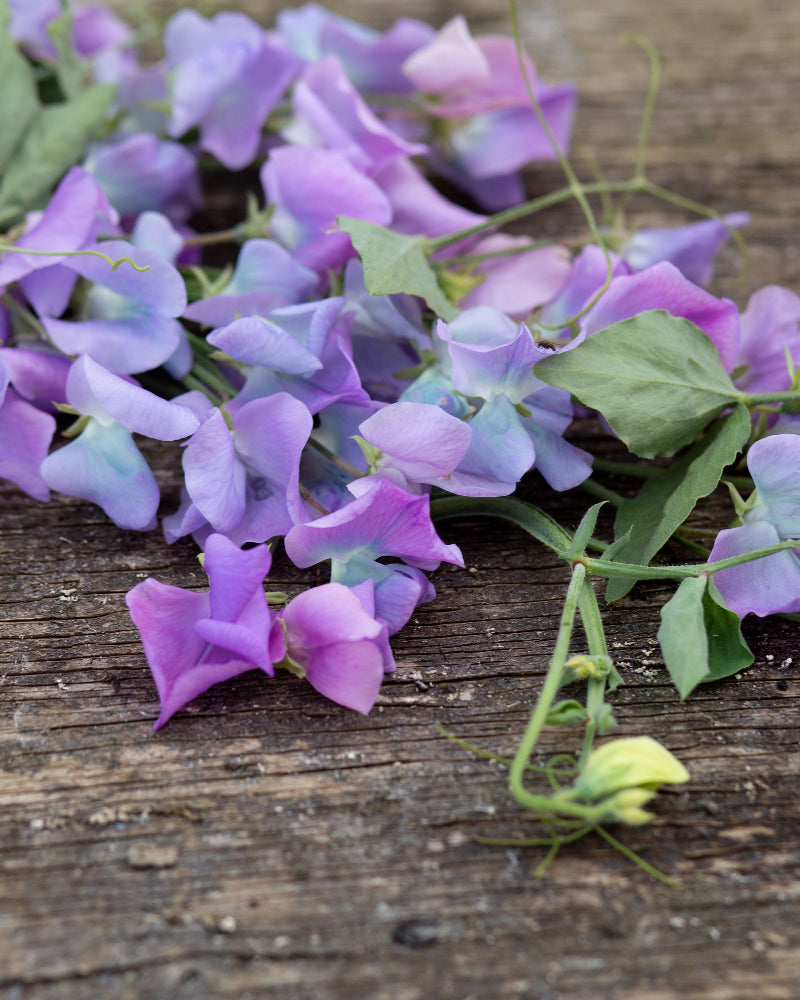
(565, 712)
(20, 104)
(683, 637)
(55, 142)
(728, 653)
(396, 263)
(668, 498)
(657, 379)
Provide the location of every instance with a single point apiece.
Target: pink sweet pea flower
(194, 640)
(342, 649)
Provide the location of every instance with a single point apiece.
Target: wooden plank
(269, 843)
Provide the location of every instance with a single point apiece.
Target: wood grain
(267, 843)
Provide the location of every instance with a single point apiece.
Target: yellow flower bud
(637, 762)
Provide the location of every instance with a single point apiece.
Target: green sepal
(584, 532)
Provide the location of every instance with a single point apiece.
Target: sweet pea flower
(266, 277)
(304, 350)
(195, 640)
(140, 172)
(329, 112)
(30, 383)
(132, 314)
(95, 29)
(586, 277)
(478, 88)
(416, 442)
(102, 464)
(242, 473)
(372, 61)
(772, 584)
(385, 520)
(691, 248)
(518, 283)
(662, 286)
(342, 650)
(228, 75)
(416, 207)
(770, 327)
(307, 188)
(77, 213)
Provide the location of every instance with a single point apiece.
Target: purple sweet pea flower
(398, 588)
(341, 647)
(518, 283)
(770, 585)
(329, 112)
(25, 436)
(479, 86)
(76, 213)
(229, 74)
(770, 330)
(307, 189)
(417, 208)
(95, 28)
(662, 286)
(103, 464)
(142, 172)
(418, 442)
(243, 480)
(304, 350)
(266, 277)
(195, 640)
(691, 248)
(490, 354)
(385, 520)
(586, 277)
(131, 325)
(373, 61)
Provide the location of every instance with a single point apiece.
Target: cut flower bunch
(378, 358)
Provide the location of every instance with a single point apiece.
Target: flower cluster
(311, 407)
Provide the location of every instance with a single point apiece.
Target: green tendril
(114, 263)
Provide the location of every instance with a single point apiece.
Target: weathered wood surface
(268, 843)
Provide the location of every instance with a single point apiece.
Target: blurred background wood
(269, 843)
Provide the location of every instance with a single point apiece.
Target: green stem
(552, 682)
(650, 101)
(596, 639)
(758, 399)
(527, 208)
(233, 235)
